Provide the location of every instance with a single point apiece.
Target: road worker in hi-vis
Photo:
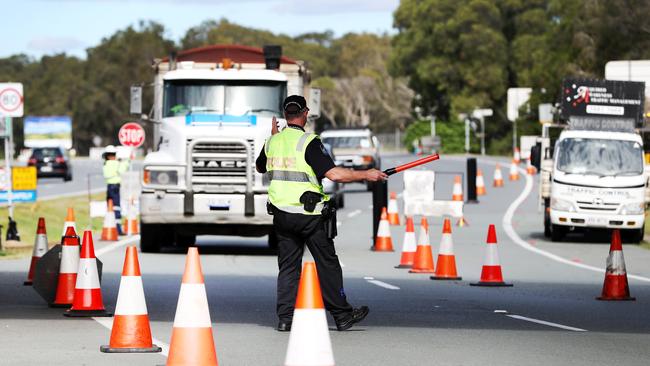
(296, 162)
(113, 170)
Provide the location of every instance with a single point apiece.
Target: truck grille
(219, 166)
(590, 206)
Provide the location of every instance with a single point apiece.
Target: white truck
(595, 176)
(211, 114)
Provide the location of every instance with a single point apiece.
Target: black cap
(294, 104)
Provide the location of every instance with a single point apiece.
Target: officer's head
(295, 110)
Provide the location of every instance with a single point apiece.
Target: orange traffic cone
(40, 248)
(309, 341)
(457, 192)
(67, 270)
(131, 220)
(393, 211)
(383, 243)
(69, 221)
(88, 292)
(615, 286)
(480, 183)
(491, 273)
(109, 230)
(192, 342)
(131, 332)
(409, 245)
(446, 266)
(530, 168)
(514, 171)
(423, 261)
(516, 156)
(498, 177)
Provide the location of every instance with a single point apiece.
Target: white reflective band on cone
(40, 247)
(424, 237)
(479, 181)
(109, 220)
(87, 277)
(309, 341)
(130, 299)
(392, 206)
(409, 243)
(616, 263)
(446, 245)
(384, 228)
(491, 255)
(69, 259)
(192, 310)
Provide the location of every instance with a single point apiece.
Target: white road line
(354, 213)
(117, 244)
(507, 226)
(108, 324)
(381, 283)
(543, 322)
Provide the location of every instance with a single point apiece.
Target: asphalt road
(413, 320)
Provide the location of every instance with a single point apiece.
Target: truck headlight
(561, 205)
(633, 209)
(160, 177)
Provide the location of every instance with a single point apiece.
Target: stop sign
(131, 134)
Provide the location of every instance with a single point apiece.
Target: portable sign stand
(11, 105)
(131, 134)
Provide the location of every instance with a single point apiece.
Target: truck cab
(213, 108)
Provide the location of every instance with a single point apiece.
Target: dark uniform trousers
(113, 194)
(293, 232)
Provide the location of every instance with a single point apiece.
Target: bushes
(452, 136)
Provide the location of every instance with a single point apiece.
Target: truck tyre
(273, 240)
(636, 235)
(185, 240)
(547, 221)
(557, 232)
(149, 235)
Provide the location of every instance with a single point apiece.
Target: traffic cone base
(109, 229)
(32, 265)
(64, 297)
(446, 269)
(615, 287)
(202, 347)
(425, 260)
(383, 243)
(406, 260)
(491, 276)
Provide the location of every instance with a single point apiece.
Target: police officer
(113, 170)
(296, 162)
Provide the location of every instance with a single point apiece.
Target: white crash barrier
(419, 196)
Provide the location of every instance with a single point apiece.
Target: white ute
(212, 114)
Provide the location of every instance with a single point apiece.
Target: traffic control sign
(11, 99)
(131, 134)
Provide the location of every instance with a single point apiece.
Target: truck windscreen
(600, 157)
(239, 97)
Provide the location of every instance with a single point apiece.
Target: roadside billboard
(48, 131)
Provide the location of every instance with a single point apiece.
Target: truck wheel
(185, 240)
(340, 200)
(636, 235)
(273, 240)
(547, 222)
(149, 235)
(557, 232)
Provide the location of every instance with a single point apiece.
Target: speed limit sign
(11, 99)
(131, 134)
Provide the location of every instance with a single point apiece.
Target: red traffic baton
(413, 164)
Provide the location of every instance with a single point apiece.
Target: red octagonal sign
(131, 134)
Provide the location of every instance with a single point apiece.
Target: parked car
(331, 188)
(354, 148)
(51, 162)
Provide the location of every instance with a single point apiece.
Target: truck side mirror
(314, 103)
(136, 100)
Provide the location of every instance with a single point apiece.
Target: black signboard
(603, 99)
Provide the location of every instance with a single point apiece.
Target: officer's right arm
(343, 175)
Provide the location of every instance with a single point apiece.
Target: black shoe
(284, 326)
(356, 316)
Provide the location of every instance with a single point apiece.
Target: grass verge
(54, 211)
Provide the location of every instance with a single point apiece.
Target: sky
(45, 27)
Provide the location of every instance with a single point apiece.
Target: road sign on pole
(11, 99)
(131, 134)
